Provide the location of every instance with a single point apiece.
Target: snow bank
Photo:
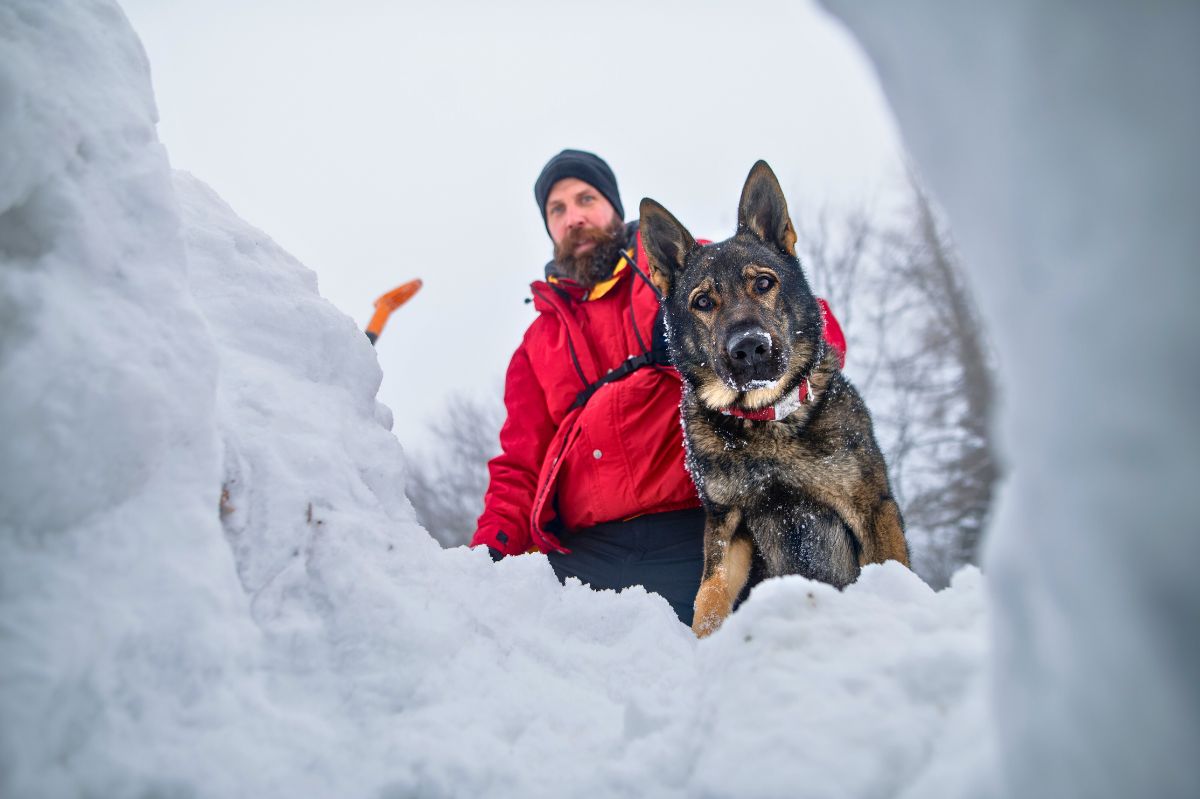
(211, 583)
(1062, 140)
(123, 619)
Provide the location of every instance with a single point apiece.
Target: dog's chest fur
(779, 475)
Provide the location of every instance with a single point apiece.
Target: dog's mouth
(721, 392)
(754, 384)
(758, 385)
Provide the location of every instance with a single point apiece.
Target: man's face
(585, 228)
(574, 204)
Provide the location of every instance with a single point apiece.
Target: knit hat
(585, 166)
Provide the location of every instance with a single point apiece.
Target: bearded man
(591, 470)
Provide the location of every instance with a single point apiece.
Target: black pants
(663, 552)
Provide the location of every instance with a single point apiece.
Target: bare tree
(446, 485)
(953, 505)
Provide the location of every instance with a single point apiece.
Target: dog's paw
(706, 625)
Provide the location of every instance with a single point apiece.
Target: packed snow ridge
(212, 584)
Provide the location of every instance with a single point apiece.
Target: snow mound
(812, 692)
(211, 583)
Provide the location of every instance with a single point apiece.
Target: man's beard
(591, 267)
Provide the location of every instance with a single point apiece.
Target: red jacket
(618, 456)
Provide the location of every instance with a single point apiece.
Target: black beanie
(589, 168)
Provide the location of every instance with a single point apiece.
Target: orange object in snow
(388, 303)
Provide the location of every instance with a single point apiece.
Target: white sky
(381, 141)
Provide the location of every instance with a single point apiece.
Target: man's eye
(702, 302)
(586, 199)
(764, 283)
(555, 210)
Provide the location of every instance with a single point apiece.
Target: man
(592, 471)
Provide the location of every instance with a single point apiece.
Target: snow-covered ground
(211, 583)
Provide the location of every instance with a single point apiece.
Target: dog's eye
(702, 302)
(764, 283)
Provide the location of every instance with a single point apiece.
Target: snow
(1061, 139)
(211, 583)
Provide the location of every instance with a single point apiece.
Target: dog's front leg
(873, 516)
(885, 540)
(726, 567)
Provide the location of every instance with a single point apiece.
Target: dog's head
(743, 325)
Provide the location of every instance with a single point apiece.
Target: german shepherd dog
(779, 443)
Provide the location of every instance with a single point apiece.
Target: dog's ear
(666, 241)
(763, 211)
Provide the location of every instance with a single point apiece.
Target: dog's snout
(749, 348)
(751, 355)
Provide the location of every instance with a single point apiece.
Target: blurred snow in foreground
(1062, 139)
(211, 583)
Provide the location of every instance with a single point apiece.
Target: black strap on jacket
(626, 368)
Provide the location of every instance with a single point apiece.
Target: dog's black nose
(749, 350)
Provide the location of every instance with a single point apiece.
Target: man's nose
(576, 218)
